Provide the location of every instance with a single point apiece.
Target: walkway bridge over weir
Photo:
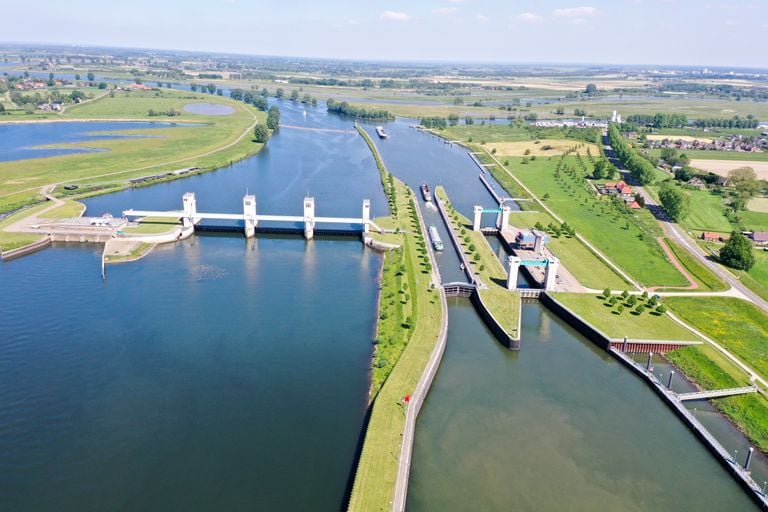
(190, 217)
(717, 393)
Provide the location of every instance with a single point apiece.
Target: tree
(2, 109)
(90, 76)
(294, 95)
(674, 201)
(737, 252)
(77, 76)
(193, 87)
(273, 117)
(591, 89)
(261, 133)
(744, 180)
(279, 93)
(102, 85)
(453, 119)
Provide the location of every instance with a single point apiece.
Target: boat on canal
(426, 194)
(437, 242)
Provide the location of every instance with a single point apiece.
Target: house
(760, 237)
(709, 236)
(634, 205)
(722, 181)
(696, 182)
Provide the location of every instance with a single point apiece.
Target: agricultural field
(692, 107)
(723, 167)
(542, 148)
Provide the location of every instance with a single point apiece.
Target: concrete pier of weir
(191, 217)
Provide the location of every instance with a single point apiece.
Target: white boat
(437, 243)
(381, 133)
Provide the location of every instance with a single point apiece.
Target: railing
(459, 289)
(716, 393)
(529, 293)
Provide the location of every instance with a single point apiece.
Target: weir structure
(190, 217)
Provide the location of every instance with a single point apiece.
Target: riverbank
(414, 290)
(212, 143)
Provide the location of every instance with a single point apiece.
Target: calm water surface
(558, 426)
(20, 141)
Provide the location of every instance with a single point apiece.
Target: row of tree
(749, 122)
(344, 108)
(640, 168)
(659, 120)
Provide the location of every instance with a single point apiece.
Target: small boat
(437, 243)
(381, 133)
(425, 192)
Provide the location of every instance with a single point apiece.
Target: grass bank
(710, 370)
(406, 350)
(599, 312)
(739, 326)
(217, 141)
(503, 304)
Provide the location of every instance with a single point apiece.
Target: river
(220, 373)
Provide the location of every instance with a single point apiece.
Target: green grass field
(707, 280)
(70, 209)
(209, 146)
(647, 325)
(628, 239)
(153, 226)
(736, 324)
(9, 241)
(706, 212)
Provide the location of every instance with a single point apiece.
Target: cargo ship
(381, 133)
(425, 192)
(437, 243)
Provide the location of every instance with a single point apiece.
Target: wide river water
(225, 374)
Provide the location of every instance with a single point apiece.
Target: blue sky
(716, 32)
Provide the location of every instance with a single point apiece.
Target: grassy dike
(503, 304)
(403, 348)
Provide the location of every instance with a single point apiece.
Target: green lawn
(627, 238)
(708, 368)
(706, 212)
(168, 149)
(645, 326)
(9, 241)
(736, 324)
(707, 280)
(757, 221)
(70, 209)
(153, 226)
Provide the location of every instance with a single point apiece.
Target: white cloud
(529, 17)
(395, 16)
(576, 12)
(445, 11)
(481, 18)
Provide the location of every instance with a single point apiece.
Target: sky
(686, 32)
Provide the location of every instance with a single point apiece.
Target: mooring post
(624, 345)
(749, 458)
(669, 382)
(650, 360)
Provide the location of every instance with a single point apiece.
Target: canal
(221, 373)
